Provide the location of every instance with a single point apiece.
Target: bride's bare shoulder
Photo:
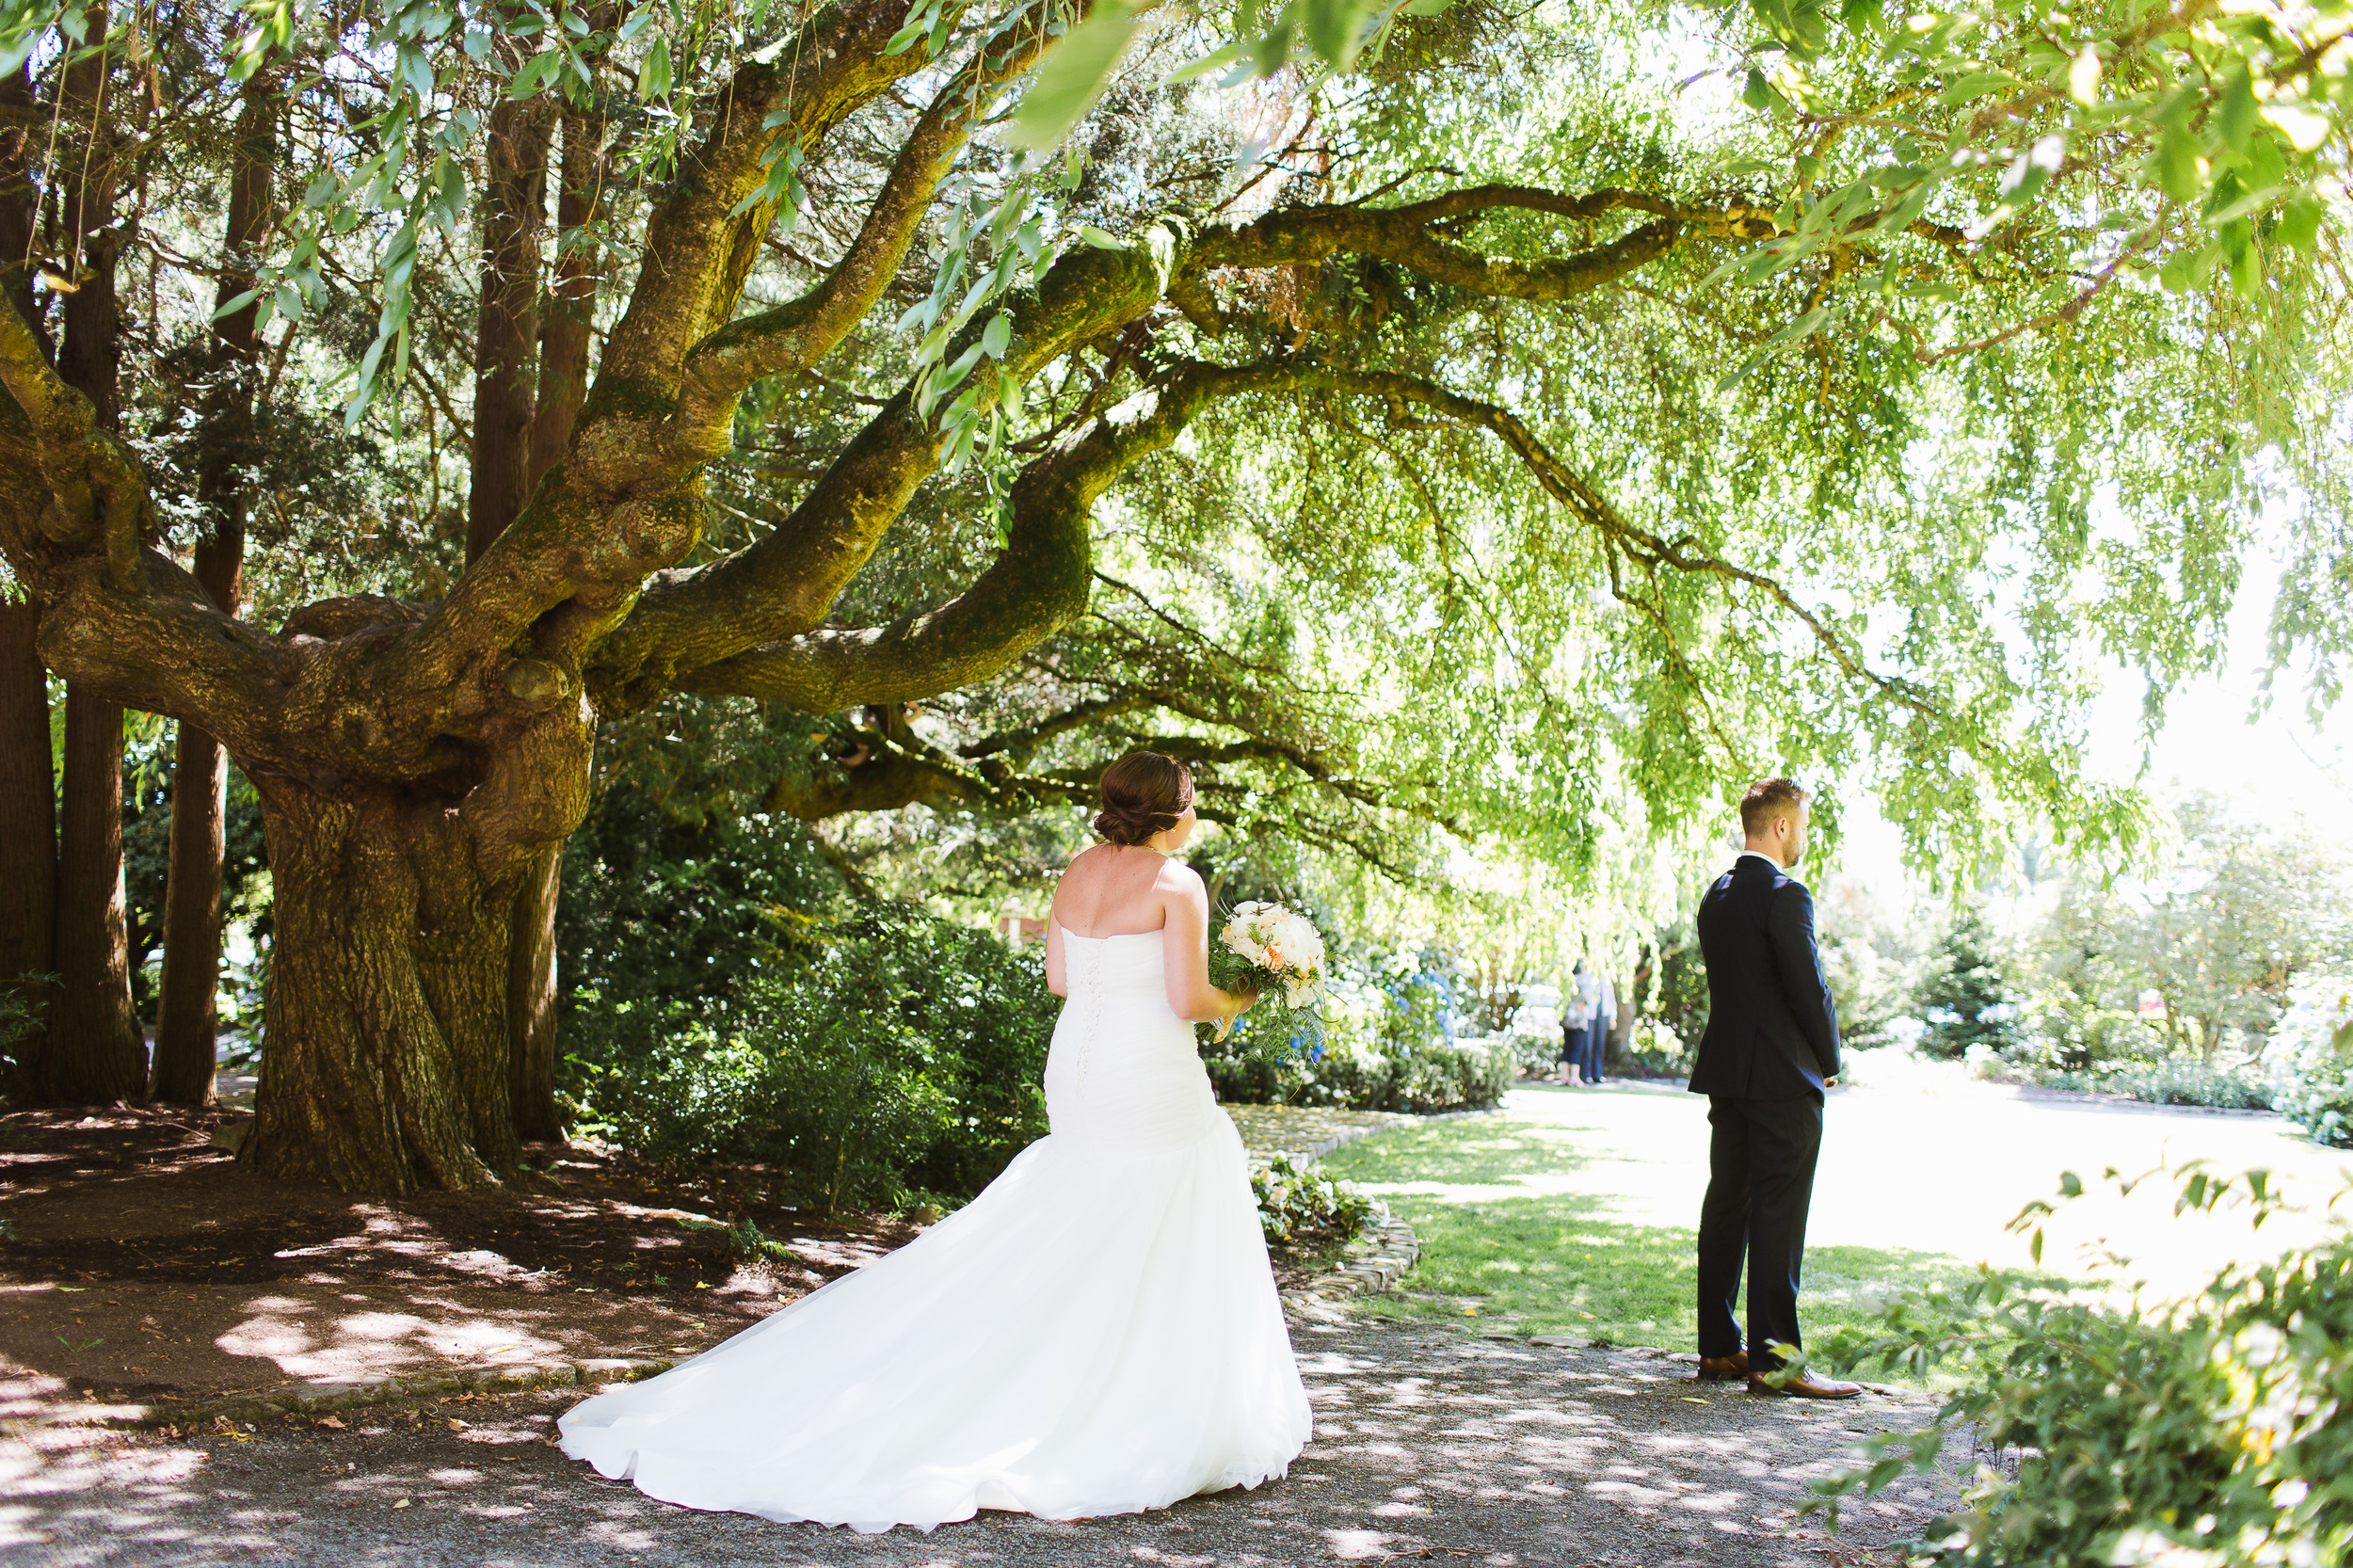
(1177, 877)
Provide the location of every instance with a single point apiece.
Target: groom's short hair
(1768, 798)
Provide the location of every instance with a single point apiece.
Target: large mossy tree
(1503, 428)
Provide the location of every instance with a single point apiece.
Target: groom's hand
(1830, 1083)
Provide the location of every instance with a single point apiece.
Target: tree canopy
(1439, 422)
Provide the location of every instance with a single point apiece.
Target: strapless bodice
(1130, 962)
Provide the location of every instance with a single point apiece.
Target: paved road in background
(1919, 1155)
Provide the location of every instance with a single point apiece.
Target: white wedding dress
(1097, 1333)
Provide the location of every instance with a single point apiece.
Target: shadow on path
(1429, 1446)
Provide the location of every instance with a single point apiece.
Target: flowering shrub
(2312, 1054)
(1298, 1202)
(1387, 1046)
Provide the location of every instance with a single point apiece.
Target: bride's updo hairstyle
(1143, 792)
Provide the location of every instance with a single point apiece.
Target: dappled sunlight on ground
(1428, 1447)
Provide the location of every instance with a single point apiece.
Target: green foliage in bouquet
(2218, 1435)
(1299, 1203)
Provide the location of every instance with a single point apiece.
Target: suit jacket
(1772, 1029)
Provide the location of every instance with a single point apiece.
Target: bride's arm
(1185, 945)
(1056, 977)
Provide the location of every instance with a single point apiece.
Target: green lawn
(1553, 1264)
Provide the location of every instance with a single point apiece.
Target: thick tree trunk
(385, 1064)
(94, 1054)
(186, 1018)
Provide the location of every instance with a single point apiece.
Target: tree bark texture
(186, 1006)
(386, 1063)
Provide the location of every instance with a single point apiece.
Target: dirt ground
(1429, 1446)
(139, 1263)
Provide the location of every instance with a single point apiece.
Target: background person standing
(1769, 1051)
(1577, 1018)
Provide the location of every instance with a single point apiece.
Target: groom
(1770, 1050)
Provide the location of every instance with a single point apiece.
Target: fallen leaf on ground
(335, 1421)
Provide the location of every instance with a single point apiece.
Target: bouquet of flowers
(1270, 950)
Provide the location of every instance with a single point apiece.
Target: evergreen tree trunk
(95, 1052)
(531, 1013)
(507, 330)
(561, 391)
(187, 1017)
(564, 321)
(28, 784)
(28, 822)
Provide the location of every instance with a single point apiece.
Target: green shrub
(675, 916)
(1299, 1203)
(2311, 1051)
(2217, 1435)
(2174, 1081)
(883, 1052)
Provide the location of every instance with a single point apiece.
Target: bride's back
(1116, 890)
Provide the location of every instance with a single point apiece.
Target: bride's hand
(1249, 998)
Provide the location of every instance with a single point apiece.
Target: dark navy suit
(1772, 1039)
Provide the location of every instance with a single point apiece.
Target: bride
(1097, 1333)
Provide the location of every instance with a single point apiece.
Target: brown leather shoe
(1725, 1368)
(1806, 1385)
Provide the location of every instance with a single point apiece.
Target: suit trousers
(1760, 1184)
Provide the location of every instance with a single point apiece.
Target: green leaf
(1206, 63)
(2234, 116)
(653, 76)
(997, 336)
(2299, 227)
(1336, 29)
(2176, 166)
(1071, 76)
(1100, 238)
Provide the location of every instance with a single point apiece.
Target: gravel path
(1428, 1445)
